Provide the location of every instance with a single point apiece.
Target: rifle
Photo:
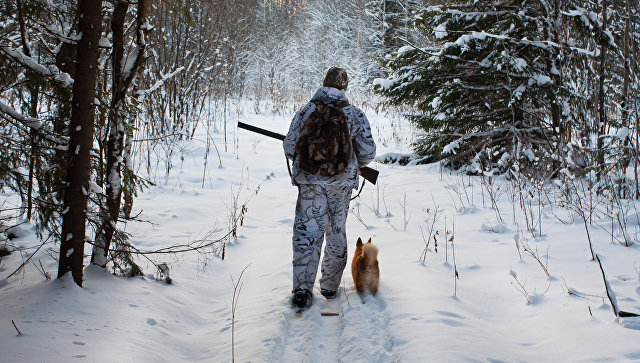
(371, 175)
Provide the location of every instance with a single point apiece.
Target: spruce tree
(483, 95)
(74, 216)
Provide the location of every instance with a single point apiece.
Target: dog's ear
(369, 240)
(359, 241)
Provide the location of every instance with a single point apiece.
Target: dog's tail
(370, 251)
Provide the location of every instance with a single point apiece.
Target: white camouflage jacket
(363, 145)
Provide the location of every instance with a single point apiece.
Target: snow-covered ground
(420, 315)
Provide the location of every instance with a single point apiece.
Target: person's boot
(328, 294)
(301, 299)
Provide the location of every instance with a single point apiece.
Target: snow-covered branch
(31, 122)
(7, 112)
(33, 65)
(161, 81)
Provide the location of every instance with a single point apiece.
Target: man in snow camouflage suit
(323, 201)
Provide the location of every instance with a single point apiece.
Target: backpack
(324, 146)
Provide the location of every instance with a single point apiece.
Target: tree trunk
(601, 96)
(33, 110)
(625, 88)
(122, 78)
(128, 150)
(552, 21)
(109, 216)
(634, 64)
(81, 135)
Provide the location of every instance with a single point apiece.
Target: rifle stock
(371, 175)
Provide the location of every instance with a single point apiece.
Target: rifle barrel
(258, 130)
(366, 172)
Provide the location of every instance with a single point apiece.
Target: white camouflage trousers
(320, 210)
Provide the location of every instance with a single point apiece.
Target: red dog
(364, 268)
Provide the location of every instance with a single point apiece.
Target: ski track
(361, 333)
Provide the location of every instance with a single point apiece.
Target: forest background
(96, 96)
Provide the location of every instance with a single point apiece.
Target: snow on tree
(483, 94)
(311, 39)
(36, 78)
(541, 86)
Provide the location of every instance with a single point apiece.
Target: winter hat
(337, 78)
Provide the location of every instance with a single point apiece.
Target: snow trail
(361, 332)
(310, 338)
(367, 332)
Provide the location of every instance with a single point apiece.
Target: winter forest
(507, 209)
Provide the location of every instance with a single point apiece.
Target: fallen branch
(196, 245)
(611, 295)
